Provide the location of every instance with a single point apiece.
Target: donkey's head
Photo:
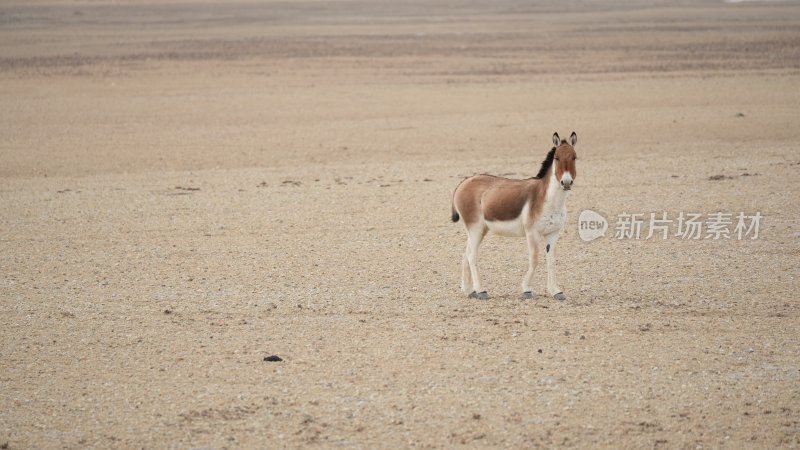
(564, 160)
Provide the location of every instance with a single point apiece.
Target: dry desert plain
(187, 187)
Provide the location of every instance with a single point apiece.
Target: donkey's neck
(555, 198)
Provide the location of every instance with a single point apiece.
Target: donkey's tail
(455, 215)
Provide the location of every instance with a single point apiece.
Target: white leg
(533, 259)
(552, 285)
(466, 275)
(476, 235)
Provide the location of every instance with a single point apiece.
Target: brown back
(498, 198)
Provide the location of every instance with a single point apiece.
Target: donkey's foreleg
(533, 259)
(476, 234)
(552, 285)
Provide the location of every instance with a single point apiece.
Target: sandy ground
(188, 187)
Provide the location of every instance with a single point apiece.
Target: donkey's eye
(556, 158)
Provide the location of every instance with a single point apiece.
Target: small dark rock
(719, 177)
(540, 350)
(273, 358)
(583, 337)
(739, 114)
(167, 311)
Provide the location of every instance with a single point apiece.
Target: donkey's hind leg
(466, 275)
(475, 236)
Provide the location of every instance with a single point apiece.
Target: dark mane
(548, 161)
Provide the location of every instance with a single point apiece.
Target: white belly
(510, 228)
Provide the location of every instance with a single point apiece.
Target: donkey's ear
(556, 139)
(573, 139)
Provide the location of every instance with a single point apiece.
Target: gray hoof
(528, 295)
(560, 296)
(479, 295)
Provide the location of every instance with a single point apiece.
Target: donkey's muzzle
(566, 183)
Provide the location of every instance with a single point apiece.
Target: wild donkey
(535, 208)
